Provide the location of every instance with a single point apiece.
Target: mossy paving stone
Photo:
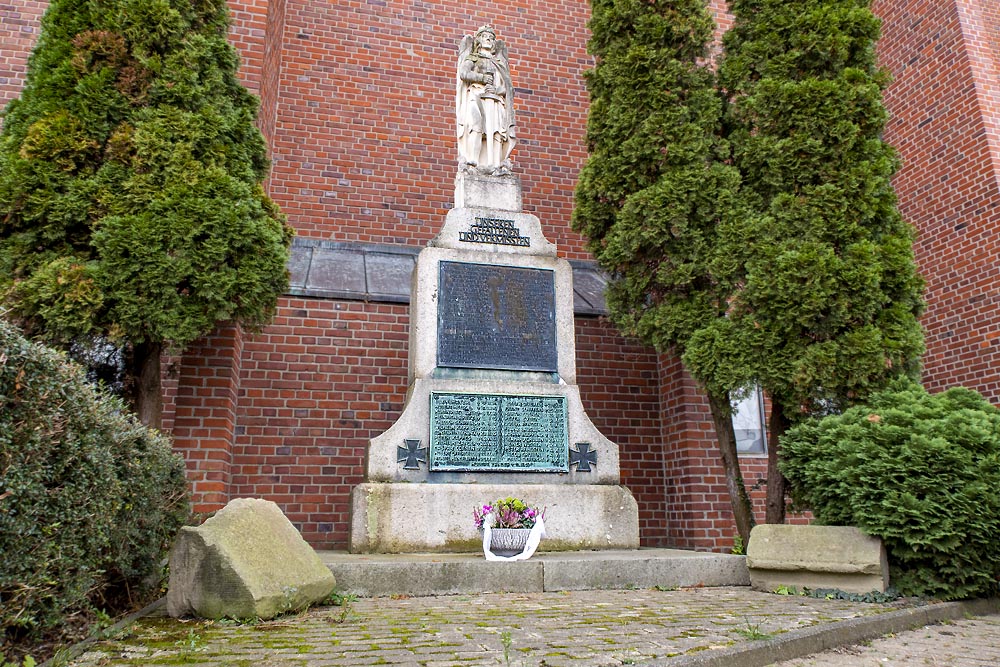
(585, 627)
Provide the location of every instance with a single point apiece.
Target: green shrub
(920, 471)
(89, 498)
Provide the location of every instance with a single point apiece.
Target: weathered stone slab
(473, 229)
(246, 561)
(816, 557)
(415, 518)
(476, 190)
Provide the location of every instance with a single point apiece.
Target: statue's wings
(502, 49)
(465, 47)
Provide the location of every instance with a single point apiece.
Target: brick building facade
(356, 106)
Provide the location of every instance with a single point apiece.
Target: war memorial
(493, 408)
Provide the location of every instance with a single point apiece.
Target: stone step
(373, 575)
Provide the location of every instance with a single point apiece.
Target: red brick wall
(205, 417)
(317, 385)
(327, 376)
(945, 113)
(699, 511)
(618, 381)
(19, 28)
(272, 61)
(364, 142)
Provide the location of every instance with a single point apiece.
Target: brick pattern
(204, 414)
(271, 62)
(945, 106)
(618, 381)
(19, 28)
(317, 385)
(364, 146)
(699, 513)
(570, 628)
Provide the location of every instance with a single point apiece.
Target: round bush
(89, 498)
(920, 471)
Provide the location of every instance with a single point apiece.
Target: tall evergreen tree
(655, 187)
(131, 206)
(827, 306)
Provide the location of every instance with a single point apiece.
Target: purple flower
(508, 513)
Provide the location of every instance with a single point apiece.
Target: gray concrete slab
(442, 574)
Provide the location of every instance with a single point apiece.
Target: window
(748, 423)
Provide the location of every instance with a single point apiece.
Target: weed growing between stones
(192, 643)
(346, 603)
(507, 642)
(752, 630)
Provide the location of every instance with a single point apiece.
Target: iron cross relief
(411, 455)
(583, 456)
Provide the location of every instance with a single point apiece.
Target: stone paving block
(562, 628)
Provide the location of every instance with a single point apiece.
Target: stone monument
(493, 409)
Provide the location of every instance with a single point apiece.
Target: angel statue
(484, 103)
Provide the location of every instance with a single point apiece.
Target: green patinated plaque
(496, 432)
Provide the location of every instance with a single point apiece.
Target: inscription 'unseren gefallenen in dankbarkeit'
(496, 317)
(489, 432)
(496, 231)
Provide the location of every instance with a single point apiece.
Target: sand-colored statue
(484, 103)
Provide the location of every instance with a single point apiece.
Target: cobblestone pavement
(965, 643)
(530, 629)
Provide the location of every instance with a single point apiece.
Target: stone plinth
(414, 518)
(816, 557)
(477, 190)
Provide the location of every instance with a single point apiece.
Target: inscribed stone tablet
(488, 432)
(496, 317)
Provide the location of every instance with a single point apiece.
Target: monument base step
(371, 575)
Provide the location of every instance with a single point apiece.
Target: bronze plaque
(496, 317)
(495, 432)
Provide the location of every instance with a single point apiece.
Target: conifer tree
(827, 306)
(655, 186)
(131, 206)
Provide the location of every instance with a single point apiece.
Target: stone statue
(484, 104)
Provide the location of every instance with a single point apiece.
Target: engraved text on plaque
(485, 432)
(496, 317)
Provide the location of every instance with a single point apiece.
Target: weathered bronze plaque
(491, 432)
(496, 317)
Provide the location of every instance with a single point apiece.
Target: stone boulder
(247, 561)
(814, 557)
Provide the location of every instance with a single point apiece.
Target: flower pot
(508, 541)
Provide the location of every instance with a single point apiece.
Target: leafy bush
(920, 471)
(89, 498)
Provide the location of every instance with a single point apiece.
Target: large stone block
(246, 561)
(478, 190)
(816, 557)
(412, 518)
